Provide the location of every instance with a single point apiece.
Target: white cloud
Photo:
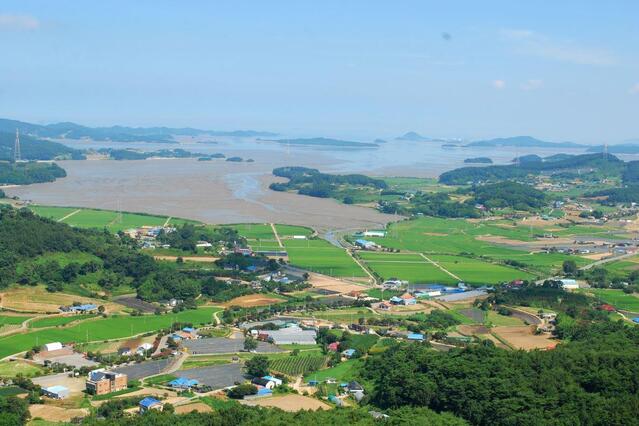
(18, 22)
(634, 90)
(533, 84)
(499, 84)
(532, 43)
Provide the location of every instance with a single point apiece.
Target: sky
(352, 69)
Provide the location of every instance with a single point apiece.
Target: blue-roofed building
(89, 307)
(264, 392)
(149, 403)
(188, 329)
(635, 320)
(415, 336)
(396, 300)
(365, 244)
(183, 383)
(348, 353)
(56, 392)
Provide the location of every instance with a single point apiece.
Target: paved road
(609, 259)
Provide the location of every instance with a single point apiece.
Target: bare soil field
(252, 300)
(56, 414)
(200, 407)
(289, 403)
(37, 299)
(522, 337)
(471, 330)
(325, 282)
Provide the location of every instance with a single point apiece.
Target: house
(80, 308)
(635, 320)
(392, 284)
(354, 387)
(203, 244)
(264, 392)
(349, 353)
(299, 237)
(278, 382)
(291, 335)
(101, 382)
(333, 347)
(124, 351)
(55, 346)
(569, 284)
(261, 381)
(143, 348)
(365, 244)
(243, 251)
(149, 403)
(606, 307)
(56, 392)
(384, 306)
(379, 234)
(183, 383)
(405, 299)
(416, 337)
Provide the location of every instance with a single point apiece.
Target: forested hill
(117, 133)
(316, 184)
(28, 173)
(610, 165)
(35, 149)
(523, 141)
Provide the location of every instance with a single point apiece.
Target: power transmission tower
(605, 151)
(16, 148)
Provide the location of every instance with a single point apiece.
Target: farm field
(342, 372)
(410, 267)
(251, 300)
(57, 320)
(254, 231)
(616, 297)
(454, 236)
(502, 320)
(38, 299)
(296, 365)
(114, 327)
(13, 319)
(13, 368)
(478, 272)
(92, 218)
(323, 257)
(289, 230)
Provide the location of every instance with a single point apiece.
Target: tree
(570, 267)
(250, 344)
(238, 392)
(13, 411)
(257, 366)
(101, 309)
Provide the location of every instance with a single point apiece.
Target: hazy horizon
(359, 71)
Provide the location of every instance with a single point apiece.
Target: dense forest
(508, 194)
(35, 149)
(28, 173)
(130, 154)
(610, 165)
(316, 184)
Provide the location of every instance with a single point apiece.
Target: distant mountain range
(69, 130)
(523, 141)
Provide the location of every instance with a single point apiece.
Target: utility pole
(16, 147)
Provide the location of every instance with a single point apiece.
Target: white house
(568, 284)
(380, 234)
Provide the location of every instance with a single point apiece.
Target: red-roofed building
(606, 307)
(333, 347)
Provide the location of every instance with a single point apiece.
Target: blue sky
(564, 70)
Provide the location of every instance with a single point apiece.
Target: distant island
(624, 148)
(68, 130)
(132, 154)
(323, 142)
(36, 149)
(478, 160)
(523, 141)
(413, 137)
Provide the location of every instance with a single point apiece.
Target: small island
(478, 160)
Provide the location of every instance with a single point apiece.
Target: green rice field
(114, 327)
(616, 297)
(112, 220)
(13, 319)
(321, 256)
(255, 231)
(55, 321)
(289, 230)
(478, 272)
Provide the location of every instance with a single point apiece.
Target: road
(609, 259)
